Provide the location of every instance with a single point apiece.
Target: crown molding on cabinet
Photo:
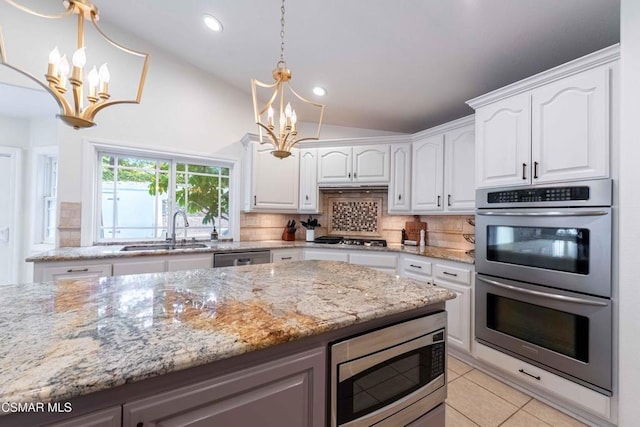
(592, 60)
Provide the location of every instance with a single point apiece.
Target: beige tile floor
(477, 399)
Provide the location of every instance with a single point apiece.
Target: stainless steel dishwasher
(228, 259)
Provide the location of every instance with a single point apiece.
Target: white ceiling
(402, 65)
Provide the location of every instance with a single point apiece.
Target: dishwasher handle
(242, 261)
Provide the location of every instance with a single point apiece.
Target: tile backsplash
(442, 230)
(69, 224)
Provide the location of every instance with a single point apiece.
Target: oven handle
(554, 214)
(562, 298)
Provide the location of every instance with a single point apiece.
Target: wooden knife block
(413, 230)
(288, 237)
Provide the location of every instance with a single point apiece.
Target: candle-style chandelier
(285, 135)
(60, 73)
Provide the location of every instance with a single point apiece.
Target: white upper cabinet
(552, 127)
(271, 184)
(459, 165)
(570, 128)
(400, 184)
(427, 174)
(366, 164)
(443, 165)
(309, 180)
(503, 142)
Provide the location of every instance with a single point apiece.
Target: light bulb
(287, 110)
(79, 58)
(54, 56)
(63, 66)
(294, 117)
(104, 73)
(93, 77)
(270, 113)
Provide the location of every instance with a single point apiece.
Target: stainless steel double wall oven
(543, 277)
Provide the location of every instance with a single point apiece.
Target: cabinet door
(371, 164)
(189, 262)
(275, 181)
(286, 392)
(460, 160)
(570, 133)
(155, 265)
(387, 263)
(458, 315)
(334, 165)
(106, 418)
(326, 254)
(426, 170)
(309, 180)
(46, 274)
(400, 185)
(503, 142)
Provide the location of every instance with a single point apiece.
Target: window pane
(136, 203)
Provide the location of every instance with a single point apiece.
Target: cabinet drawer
(416, 266)
(285, 255)
(383, 261)
(453, 274)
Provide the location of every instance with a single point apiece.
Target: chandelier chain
(282, 33)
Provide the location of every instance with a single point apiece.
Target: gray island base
(227, 346)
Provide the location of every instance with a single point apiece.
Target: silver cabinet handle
(448, 199)
(415, 266)
(539, 214)
(535, 170)
(438, 200)
(524, 171)
(450, 274)
(562, 298)
(77, 270)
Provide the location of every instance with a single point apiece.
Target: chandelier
(61, 74)
(283, 133)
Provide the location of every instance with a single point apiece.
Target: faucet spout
(173, 226)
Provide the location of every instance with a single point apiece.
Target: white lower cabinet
(286, 392)
(539, 380)
(189, 262)
(326, 254)
(138, 266)
(456, 277)
(51, 271)
(286, 255)
(385, 262)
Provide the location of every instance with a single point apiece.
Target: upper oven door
(568, 248)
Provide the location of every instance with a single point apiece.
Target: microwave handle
(354, 367)
(539, 214)
(562, 298)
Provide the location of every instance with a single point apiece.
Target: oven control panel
(548, 194)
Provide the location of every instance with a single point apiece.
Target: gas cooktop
(340, 240)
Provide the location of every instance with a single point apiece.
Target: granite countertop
(114, 251)
(77, 336)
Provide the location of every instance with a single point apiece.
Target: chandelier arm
(272, 135)
(3, 56)
(42, 15)
(144, 55)
(64, 105)
(270, 102)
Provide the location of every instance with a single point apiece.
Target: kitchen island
(102, 344)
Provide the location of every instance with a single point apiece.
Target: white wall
(629, 288)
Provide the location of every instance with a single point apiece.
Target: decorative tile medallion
(355, 217)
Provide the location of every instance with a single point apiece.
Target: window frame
(90, 232)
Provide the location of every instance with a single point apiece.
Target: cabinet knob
(355, 175)
(306, 197)
(399, 196)
(349, 174)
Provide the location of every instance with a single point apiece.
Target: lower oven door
(563, 332)
(380, 378)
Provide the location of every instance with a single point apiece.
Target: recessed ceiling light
(320, 91)
(212, 23)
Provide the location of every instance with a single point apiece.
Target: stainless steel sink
(162, 247)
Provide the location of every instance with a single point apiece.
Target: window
(138, 196)
(49, 203)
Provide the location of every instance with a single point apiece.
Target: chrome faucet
(173, 226)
